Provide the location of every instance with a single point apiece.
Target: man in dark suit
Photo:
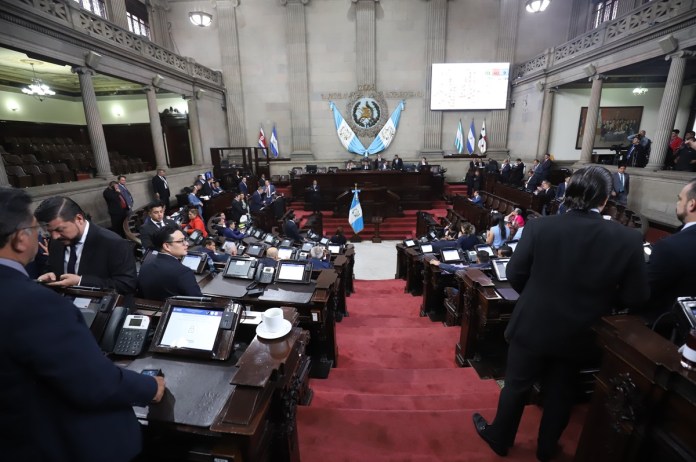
(290, 229)
(636, 156)
(237, 208)
(269, 192)
(517, 173)
(397, 163)
(161, 187)
(61, 398)
(82, 253)
(320, 258)
(117, 207)
(314, 196)
(154, 222)
(550, 328)
(242, 186)
(546, 195)
(505, 171)
(621, 184)
(544, 167)
(165, 276)
(125, 192)
(378, 163)
(671, 270)
(256, 202)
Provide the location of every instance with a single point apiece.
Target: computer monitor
(324, 241)
(335, 248)
(306, 247)
(96, 306)
(499, 267)
(286, 243)
(258, 234)
(409, 242)
(294, 272)
(426, 248)
(255, 250)
(450, 255)
(286, 253)
(240, 268)
(271, 239)
(195, 261)
(311, 168)
(485, 248)
(197, 328)
(512, 245)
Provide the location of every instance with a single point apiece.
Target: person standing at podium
(570, 270)
(61, 398)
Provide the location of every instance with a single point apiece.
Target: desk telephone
(133, 335)
(264, 275)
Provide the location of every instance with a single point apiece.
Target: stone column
(155, 127)
(434, 53)
(591, 119)
(298, 78)
(117, 13)
(159, 24)
(195, 127)
(231, 71)
(497, 130)
(545, 128)
(668, 109)
(94, 124)
(4, 181)
(365, 61)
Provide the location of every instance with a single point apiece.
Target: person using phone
(61, 398)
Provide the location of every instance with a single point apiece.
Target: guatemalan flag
(471, 138)
(459, 138)
(355, 216)
(387, 133)
(262, 141)
(274, 143)
(348, 138)
(483, 141)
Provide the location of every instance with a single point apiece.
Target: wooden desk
(318, 316)
(414, 272)
(401, 261)
(644, 403)
(525, 199)
(217, 204)
(416, 190)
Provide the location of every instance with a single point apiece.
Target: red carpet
(397, 394)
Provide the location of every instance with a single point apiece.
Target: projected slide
(462, 86)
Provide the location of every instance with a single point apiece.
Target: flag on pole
(471, 138)
(345, 134)
(262, 142)
(459, 138)
(483, 141)
(355, 216)
(387, 133)
(274, 143)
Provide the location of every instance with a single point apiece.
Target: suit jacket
(291, 231)
(671, 270)
(398, 164)
(377, 164)
(236, 211)
(560, 191)
(126, 195)
(320, 264)
(544, 168)
(243, 188)
(113, 202)
(107, 261)
(149, 229)
(570, 270)
(206, 189)
(517, 174)
(505, 172)
(269, 192)
(256, 202)
(61, 398)
(165, 277)
(621, 191)
(161, 187)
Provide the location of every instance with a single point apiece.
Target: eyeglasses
(179, 241)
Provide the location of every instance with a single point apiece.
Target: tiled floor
(375, 261)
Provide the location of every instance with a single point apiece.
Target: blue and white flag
(459, 138)
(387, 133)
(274, 143)
(471, 138)
(345, 134)
(355, 216)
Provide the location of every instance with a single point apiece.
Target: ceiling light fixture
(200, 18)
(37, 88)
(536, 6)
(640, 90)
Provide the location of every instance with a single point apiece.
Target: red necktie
(122, 201)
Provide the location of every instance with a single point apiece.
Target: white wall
(537, 32)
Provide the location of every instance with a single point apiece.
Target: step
(426, 399)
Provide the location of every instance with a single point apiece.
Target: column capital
(681, 54)
(232, 3)
(147, 88)
(83, 70)
(285, 2)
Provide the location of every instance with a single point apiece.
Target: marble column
(159, 24)
(94, 124)
(497, 129)
(231, 71)
(195, 128)
(117, 13)
(155, 127)
(434, 53)
(365, 62)
(588, 136)
(545, 127)
(4, 181)
(298, 78)
(668, 109)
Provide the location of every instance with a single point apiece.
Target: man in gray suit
(620, 185)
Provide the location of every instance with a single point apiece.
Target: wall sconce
(12, 106)
(536, 6)
(117, 111)
(639, 90)
(200, 18)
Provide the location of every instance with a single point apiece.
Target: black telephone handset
(113, 328)
(264, 275)
(252, 269)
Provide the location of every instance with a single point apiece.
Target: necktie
(72, 260)
(159, 224)
(623, 185)
(122, 201)
(166, 186)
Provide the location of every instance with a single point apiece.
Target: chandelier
(37, 88)
(200, 18)
(639, 90)
(536, 6)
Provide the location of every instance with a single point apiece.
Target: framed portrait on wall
(614, 125)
